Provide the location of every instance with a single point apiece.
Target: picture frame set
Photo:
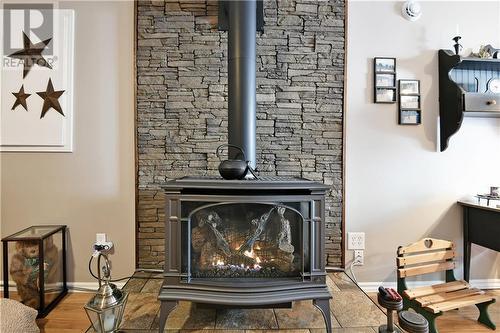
(410, 112)
(384, 80)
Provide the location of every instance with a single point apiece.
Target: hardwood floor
(69, 317)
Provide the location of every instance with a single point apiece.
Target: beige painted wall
(398, 187)
(92, 189)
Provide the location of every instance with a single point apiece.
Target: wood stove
(244, 243)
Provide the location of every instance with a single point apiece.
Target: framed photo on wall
(410, 112)
(384, 70)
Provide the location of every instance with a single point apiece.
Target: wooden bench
(430, 256)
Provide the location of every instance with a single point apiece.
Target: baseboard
(73, 286)
(478, 283)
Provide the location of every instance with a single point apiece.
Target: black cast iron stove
(244, 243)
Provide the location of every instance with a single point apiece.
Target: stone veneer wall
(182, 103)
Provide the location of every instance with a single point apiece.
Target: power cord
(356, 262)
(115, 280)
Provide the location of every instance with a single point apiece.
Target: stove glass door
(246, 240)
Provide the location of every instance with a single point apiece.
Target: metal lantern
(105, 308)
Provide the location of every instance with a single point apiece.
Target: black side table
(37, 257)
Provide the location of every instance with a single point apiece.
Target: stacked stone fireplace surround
(182, 104)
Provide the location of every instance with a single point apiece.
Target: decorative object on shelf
(50, 99)
(495, 191)
(495, 53)
(409, 102)
(21, 97)
(457, 46)
(484, 52)
(493, 85)
(37, 257)
(465, 90)
(486, 197)
(384, 80)
(105, 309)
(411, 10)
(30, 59)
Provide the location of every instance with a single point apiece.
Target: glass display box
(34, 259)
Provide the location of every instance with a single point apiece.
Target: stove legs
(323, 304)
(165, 309)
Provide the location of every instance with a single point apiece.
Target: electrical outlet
(101, 245)
(100, 238)
(355, 240)
(359, 256)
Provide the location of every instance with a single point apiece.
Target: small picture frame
(409, 87)
(409, 117)
(409, 102)
(385, 65)
(410, 112)
(384, 78)
(383, 95)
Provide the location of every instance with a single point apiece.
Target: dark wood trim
(343, 246)
(136, 150)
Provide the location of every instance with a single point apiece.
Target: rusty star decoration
(50, 99)
(31, 54)
(21, 97)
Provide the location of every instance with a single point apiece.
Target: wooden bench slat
(420, 246)
(425, 269)
(424, 258)
(434, 289)
(442, 297)
(458, 303)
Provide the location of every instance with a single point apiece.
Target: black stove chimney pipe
(242, 103)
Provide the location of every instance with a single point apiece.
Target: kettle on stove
(231, 169)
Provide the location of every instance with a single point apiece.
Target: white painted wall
(399, 189)
(92, 189)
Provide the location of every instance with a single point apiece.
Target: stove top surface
(263, 182)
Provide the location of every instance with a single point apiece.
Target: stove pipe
(241, 77)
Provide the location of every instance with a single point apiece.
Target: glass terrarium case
(34, 261)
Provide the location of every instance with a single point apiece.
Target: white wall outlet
(100, 238)
(359, 257)
(101, 245)
(355, 240)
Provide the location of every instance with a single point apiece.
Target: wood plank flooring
(465, 319)
(352, 312)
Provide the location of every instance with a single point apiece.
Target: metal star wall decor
(50, 99)
(31, 54)
(21, 97)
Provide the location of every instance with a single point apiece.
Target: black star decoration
(31, 54)
(50, 99)
(21, 97)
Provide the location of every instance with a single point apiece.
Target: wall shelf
(463, 91)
